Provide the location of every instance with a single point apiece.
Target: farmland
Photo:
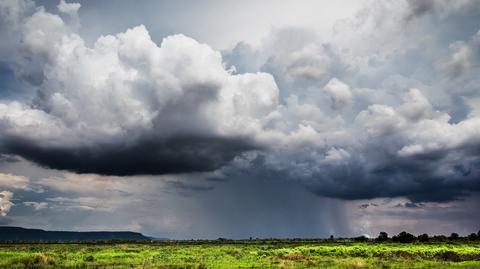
(243, 254)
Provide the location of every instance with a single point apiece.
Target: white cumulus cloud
(5, 202)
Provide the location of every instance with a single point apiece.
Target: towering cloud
(126, 105)
(351, 118)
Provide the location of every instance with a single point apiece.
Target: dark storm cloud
(420, 179)
(154, 157)
(417, 178)
(357, 119)
(439, 176)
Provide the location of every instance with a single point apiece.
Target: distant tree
(454, 236)
(478, 235)
(404, 237)
(423, 238)
(440, 238)
(361, 238)
(473, 236)
(382, 237)
(331, 237)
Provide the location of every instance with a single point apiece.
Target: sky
(237, 119)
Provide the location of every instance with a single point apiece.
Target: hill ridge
(14, 233)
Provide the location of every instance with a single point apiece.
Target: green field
(243, 254)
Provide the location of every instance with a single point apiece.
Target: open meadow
(243, 254)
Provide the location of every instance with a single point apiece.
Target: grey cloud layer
(386, 108)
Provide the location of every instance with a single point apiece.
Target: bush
(38, 260)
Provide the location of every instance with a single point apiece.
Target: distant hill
(8, 233)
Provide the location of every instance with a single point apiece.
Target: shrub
(36, 261)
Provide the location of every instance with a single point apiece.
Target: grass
(242, 254)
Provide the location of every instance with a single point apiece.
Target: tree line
(405, 237)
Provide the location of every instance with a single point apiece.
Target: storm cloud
(386, 108)
(147, 157)
(126, 106)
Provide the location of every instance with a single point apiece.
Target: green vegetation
(245, 254)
